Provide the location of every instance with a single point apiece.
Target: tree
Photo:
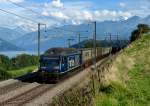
(4, 62)
(143, 28)
(134, 35)
(137, 33)
(24, 60)
(4, 74)
(89, 44)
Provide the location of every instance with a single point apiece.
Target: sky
(64, 12)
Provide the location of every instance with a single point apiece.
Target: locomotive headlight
(56, 67)
(43, 67)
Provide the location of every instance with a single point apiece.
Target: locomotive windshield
(49, 63)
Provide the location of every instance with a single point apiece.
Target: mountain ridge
(123, 27)
(57, 37)
(6, 46)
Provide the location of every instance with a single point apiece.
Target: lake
(11, 54)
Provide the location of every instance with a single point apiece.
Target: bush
(18, 62)
(4, 62)
(137, 33)
(23, 60)
(4, 74)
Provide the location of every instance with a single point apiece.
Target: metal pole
(94, 44)
(79, 41)
(110, 42)
(117, 37)
(39, 36)
(94, 58)
(39, 42)
(68, 43)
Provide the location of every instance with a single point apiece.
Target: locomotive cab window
(51, 63)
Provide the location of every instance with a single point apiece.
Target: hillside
(128, 83)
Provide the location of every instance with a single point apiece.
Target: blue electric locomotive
(57, 63)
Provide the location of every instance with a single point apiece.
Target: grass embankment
(20, 72)
(15, 73)
(129, 85)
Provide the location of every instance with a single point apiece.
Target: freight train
(57, 62)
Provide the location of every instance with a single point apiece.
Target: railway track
(7, 82)
(11, 87)
(25, 97)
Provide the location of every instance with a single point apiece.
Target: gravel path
(11, 87)
(7, 82)
(16, 92)
(27, 96)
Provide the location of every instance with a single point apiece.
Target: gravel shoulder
(16, 92)
(12, 87)
(7, 82)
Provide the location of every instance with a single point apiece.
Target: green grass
(19, 72)
(136, 90)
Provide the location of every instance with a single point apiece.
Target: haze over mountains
(9, 34)
(56, 37)
(5, 46)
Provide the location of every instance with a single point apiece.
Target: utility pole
(110, 41)
(79, 41)
(117, 37)
(39, 40)
(69, 42)
(94, 46)
(39, 36)
(94, 58)
(110, 36)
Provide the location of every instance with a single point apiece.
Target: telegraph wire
(28, 9)
(19, 16)
(24, 7)
(37, 13)
(37, 21)
(34, 20)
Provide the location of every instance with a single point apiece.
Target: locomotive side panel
(71, 62)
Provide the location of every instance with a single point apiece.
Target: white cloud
(45, 13)
(87, 15)
(73, 12)
(101, 15)
(16, 1)
(122, 4)
(59, 15)
(57, 3)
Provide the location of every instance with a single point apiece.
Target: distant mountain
(20, 30)
(122, 27)
(9, 34)
(6, 46)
